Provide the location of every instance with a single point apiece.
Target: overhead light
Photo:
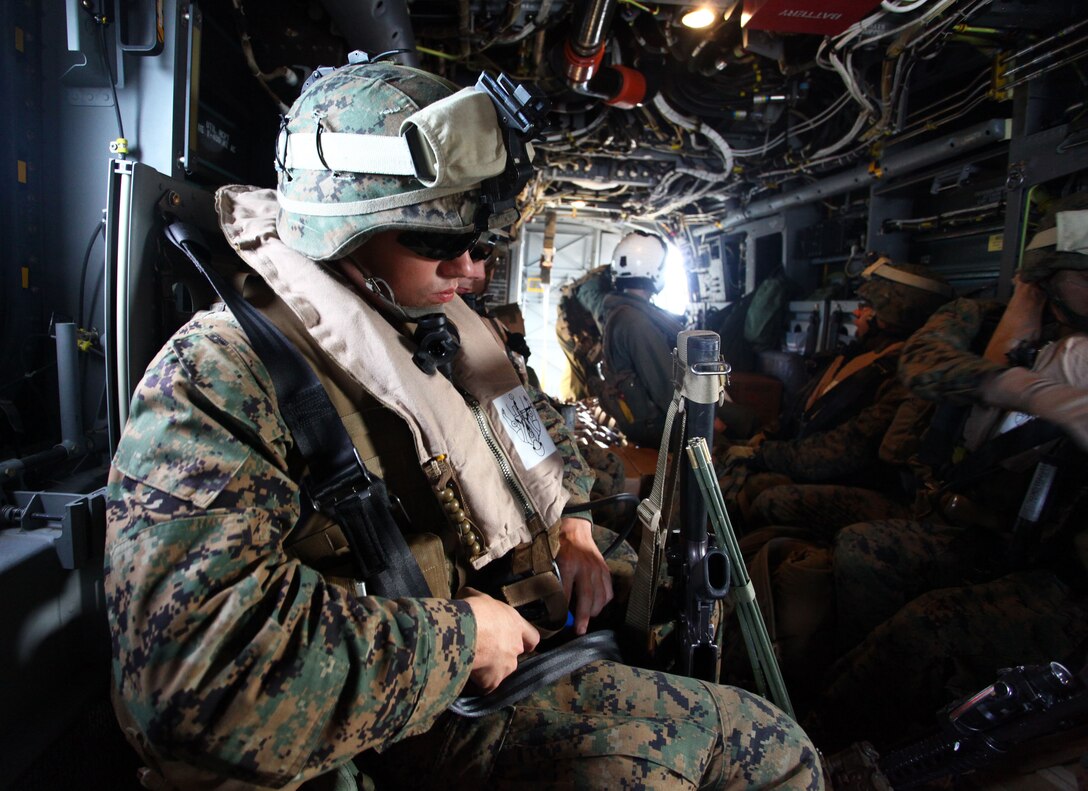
(578, 204)
(699, 17)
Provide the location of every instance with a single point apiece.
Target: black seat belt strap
(539, 671)
(337, 482)
(996, 450)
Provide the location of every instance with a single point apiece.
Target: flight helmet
(639, 262)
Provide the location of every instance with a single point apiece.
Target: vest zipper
(500, 458)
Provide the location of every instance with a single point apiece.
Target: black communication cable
(109, 72)
(98, 229)
(388, 54)
(120, 145)
(594, 505)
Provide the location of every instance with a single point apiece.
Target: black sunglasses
(447, 246)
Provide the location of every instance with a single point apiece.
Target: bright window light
(674, 296)
(698, 18)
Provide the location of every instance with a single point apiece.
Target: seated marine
(252, 646)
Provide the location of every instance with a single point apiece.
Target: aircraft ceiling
(658, 121)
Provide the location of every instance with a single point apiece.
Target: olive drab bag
(795, 587)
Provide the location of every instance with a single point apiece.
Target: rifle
(705, 569)
(1026, 702)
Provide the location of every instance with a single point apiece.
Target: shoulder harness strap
(338, 483)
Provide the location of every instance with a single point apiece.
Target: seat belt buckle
(356, 481)
(360, 504)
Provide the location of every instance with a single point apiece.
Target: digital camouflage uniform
(844, 452)
(831, 477)
(942, 361)
(301, 682)
(872, 575)
(939, 607)
(856, 435)
(236, 665)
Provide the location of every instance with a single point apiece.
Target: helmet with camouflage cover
(903, 296)
(1061, 241)
(358, 154)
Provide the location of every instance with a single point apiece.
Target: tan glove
(1064, 405)
(738, 454)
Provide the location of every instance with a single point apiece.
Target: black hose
(98, 228)
(594, 505)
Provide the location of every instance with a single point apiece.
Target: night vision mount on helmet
(374, 146)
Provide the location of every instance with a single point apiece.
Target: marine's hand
(502, 635)
(1062, 404)
(1021, 321)
(583, 569)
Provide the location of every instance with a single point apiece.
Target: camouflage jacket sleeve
(230, 655)
(938, 361)
(578, 477)
(849, 448)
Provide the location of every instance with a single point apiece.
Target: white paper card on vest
(524, 427)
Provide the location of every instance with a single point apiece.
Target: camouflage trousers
(607, 468)
(609, 726)
(822, 508)
(741, 487)
(880, 566)
(941, 646)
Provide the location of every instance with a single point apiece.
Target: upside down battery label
(524, 427)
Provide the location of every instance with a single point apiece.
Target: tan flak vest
(465, 441)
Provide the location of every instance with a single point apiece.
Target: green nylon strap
(765, 667)
(651, 552)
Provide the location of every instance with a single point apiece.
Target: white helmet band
(1069, 234)
(882, 267)
(455, 142)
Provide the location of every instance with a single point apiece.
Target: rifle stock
(705, 570)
